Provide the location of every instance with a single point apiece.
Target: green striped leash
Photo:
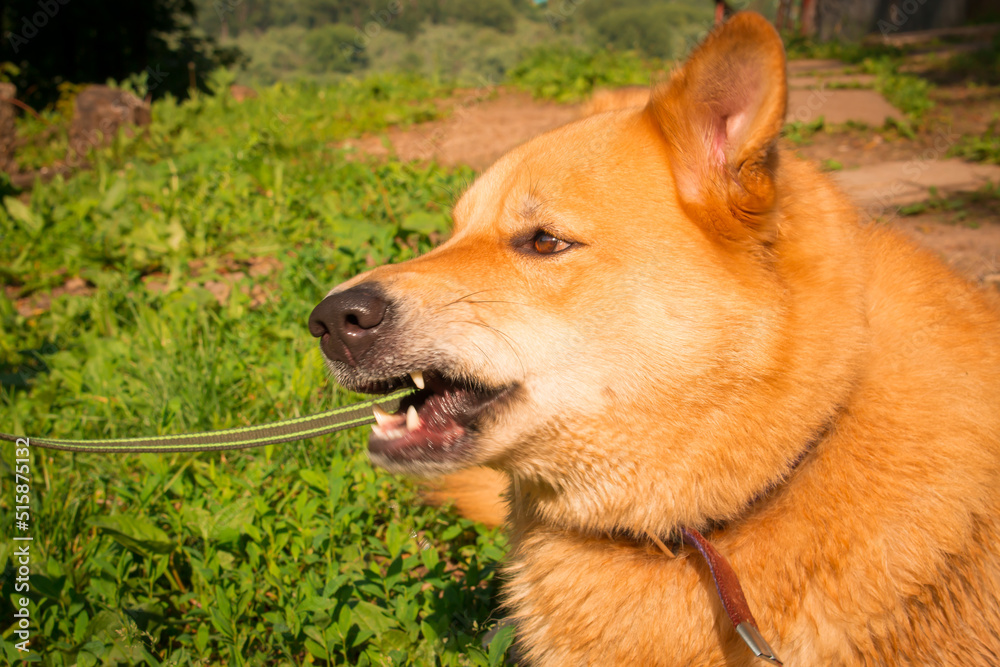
(289, 430)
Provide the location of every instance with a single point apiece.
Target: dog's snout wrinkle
(348, 322)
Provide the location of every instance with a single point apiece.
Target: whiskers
(467, 298)
(503, 337)
(478, 321)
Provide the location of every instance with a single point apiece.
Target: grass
(292, 554)
(966, 208)
(571, 74)
(287, 115)
(983, 147)
(802, 132)
(908, 93)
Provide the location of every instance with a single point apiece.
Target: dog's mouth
(436, 424)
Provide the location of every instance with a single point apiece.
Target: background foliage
(424, 36)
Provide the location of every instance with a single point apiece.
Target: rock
(836, 105)
(99, 112)
(880, 188)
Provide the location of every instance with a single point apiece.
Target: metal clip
(751, 635)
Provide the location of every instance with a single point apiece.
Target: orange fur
(719, 316)
(476, 493)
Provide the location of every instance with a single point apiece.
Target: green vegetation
(312, 38)
(800, 132)
(983, 147)
(571, 74)
(906, 92)
(963, 207)
(282, 54)
(202, 245)
(656, 29)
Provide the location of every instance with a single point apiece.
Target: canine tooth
(418, 378)
(412, 418)
(381, 416)
(378, 431)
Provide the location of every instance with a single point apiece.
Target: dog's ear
(721, 114)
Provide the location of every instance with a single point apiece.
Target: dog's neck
(524, 512)
(780, 482)
(727, 583)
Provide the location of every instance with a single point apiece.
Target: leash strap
(727, 584)
(288, 430)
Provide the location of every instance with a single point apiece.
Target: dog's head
(606, 296)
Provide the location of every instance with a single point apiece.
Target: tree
(334, 48)
(497, 14)
(52, 41)
(651, 28)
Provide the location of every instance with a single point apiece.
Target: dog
(656, 320)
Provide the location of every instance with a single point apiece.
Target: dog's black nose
(351, 318)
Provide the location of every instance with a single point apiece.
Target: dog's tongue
(429, 424)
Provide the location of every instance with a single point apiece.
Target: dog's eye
(546, 244)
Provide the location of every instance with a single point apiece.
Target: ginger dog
(655, 319)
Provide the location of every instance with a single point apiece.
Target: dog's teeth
(418, 378)
(412, 418)
(378, 431)
(381, 416)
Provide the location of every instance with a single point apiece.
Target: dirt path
(880, 174)
(478, 131)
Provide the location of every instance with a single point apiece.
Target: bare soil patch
(477, 132)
